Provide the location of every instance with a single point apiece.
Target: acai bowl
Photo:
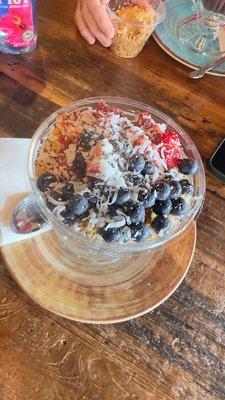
(115, 177)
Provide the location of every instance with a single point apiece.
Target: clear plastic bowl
(97, 250)
(131, 36)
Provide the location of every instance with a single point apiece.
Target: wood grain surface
(176, 351)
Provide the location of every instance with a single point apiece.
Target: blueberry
(56, 195)
(92, 200)
(50, 205)
(174, 177)
(112, 208)
(45, 180)
(175, 188)
(67, 191)
(96, 184)
(149, 168)
(188, 166)
(186, 186)
(162, 190)
(70, 219)
(147, 197)
(87, 139)
(168, 178)
(159, 223)
(67, 210)
(79, 165)
(179, 206)
(79, 204)
(68, 215)
(134, 210)
(136, 163)
(123, 196)
(162, 207)
(111, 235)
(135, 180)
(140, 232)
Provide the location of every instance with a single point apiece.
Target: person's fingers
(101, 18)
(94, 29)
(84, 31)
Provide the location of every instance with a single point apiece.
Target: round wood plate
(97, 294)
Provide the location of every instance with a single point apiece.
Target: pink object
(17, 26)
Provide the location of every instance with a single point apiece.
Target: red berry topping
(171, 147)
(105, 108)
(168, 137)
(144, 120)
(172, 155)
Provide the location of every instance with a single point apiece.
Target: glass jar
(134, 21)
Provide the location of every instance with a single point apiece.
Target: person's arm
(93, 21)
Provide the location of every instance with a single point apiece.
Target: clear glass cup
(97, 251)
(200, 30)
(130, 35)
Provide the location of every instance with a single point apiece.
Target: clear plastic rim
(99, 244)
(160, 16)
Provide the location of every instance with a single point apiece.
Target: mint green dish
(166, 36)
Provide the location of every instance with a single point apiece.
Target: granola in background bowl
(134, 22)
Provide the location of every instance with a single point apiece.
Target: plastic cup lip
(160, 15)
(98, 244)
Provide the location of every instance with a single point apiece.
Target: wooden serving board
(97, 294)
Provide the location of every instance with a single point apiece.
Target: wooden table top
(175, 352)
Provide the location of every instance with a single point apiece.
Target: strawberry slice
(144, 120)
(168, 137)
(102, 107)
(93, 160)
(66, 141)
(170, 148)
(172, 155)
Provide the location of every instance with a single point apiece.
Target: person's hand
(93, 21)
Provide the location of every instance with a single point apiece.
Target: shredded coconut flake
(115, 136)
